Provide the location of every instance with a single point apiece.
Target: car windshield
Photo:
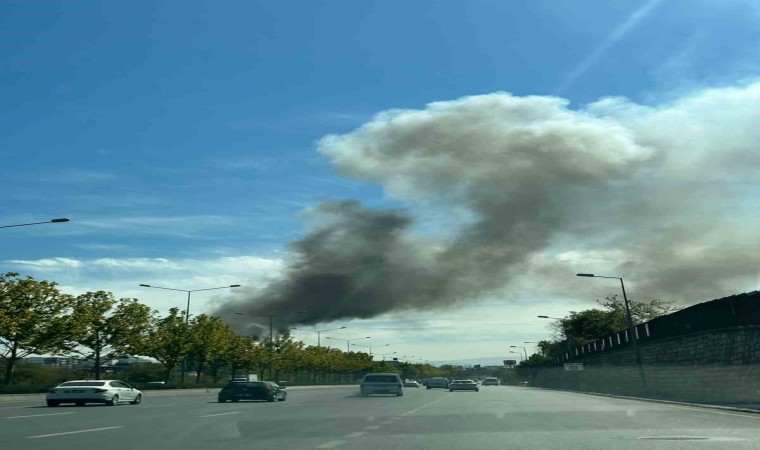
(83, 383)
(557, 199)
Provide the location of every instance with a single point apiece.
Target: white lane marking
(72, 432)
(332, 444)
(372, 427)
(221, 414)
(39, 415)
(706, 410)
(356, 434)
(157, 406)
(386, 422)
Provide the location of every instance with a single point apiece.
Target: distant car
(411, 383)
(81, 392)
(381, 383)
(252, 390)
(437, 382)
(491, 382)
(463, 385)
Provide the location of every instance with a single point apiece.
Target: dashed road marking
(372, 427)
(356, 434)
(73, 432)
(221, 414)
(332, 444)
(39, 415)
(157, 406)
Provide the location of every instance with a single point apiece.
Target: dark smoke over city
(501, 196)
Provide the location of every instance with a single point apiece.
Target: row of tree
(36, 318)
(581, 327)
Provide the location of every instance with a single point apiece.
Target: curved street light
(60, 220)
(319, 332)
(348, 341)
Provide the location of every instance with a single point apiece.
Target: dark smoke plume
(532, 192)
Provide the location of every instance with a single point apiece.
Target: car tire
(137, 400)
(221, 400)
(52, 403)
(284, 397)
(429, 387)
(451, 390)
(234, 400)
(114, 401)
(79, 403)
(400, 394)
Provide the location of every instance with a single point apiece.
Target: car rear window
(380, 379)
(82, 383)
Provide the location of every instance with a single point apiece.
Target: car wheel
(284, 397)
(451, 390)
(234, 400)
(114, 401)
(52, 403)
(221, 400)
(400, 394)
(79, 403)
(428, 387)
(137, 400)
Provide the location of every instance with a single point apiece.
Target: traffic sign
(573, 366)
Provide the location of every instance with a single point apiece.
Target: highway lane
(313, 418)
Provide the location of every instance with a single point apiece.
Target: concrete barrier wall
(716, 366)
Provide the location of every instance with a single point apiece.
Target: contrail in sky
(619, 33)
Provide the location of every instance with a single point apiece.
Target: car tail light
(99, 391)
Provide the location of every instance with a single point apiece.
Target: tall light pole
(61, 220)
(519, 354)
(370, 347)
(271, 332)
(319, 332)
(383, 355)
(524, 349)
(629, 320)
(271, 321)
(348, 341)
(187, 311)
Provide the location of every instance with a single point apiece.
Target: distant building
(53, 361)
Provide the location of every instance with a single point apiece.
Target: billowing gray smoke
(502, 194)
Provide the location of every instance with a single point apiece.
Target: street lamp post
(271, 332)
(61, 220)
(519, 354)
(524, 349)
(187, 311)
(629, 320)
(319, 332)
(347, 341)
(383, 355)
(370, 347)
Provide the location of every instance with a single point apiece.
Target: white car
(463, 385)
(80, 392)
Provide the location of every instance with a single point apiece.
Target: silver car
(463, 385)
(80, 392)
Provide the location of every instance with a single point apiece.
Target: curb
(656, 400)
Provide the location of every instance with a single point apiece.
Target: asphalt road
(322, 418)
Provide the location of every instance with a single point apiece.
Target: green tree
(168, 340)
(208, 337)
(102, 329)
(34, 319)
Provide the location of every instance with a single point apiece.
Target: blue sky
(176, 134)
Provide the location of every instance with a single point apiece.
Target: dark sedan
(252, 390)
